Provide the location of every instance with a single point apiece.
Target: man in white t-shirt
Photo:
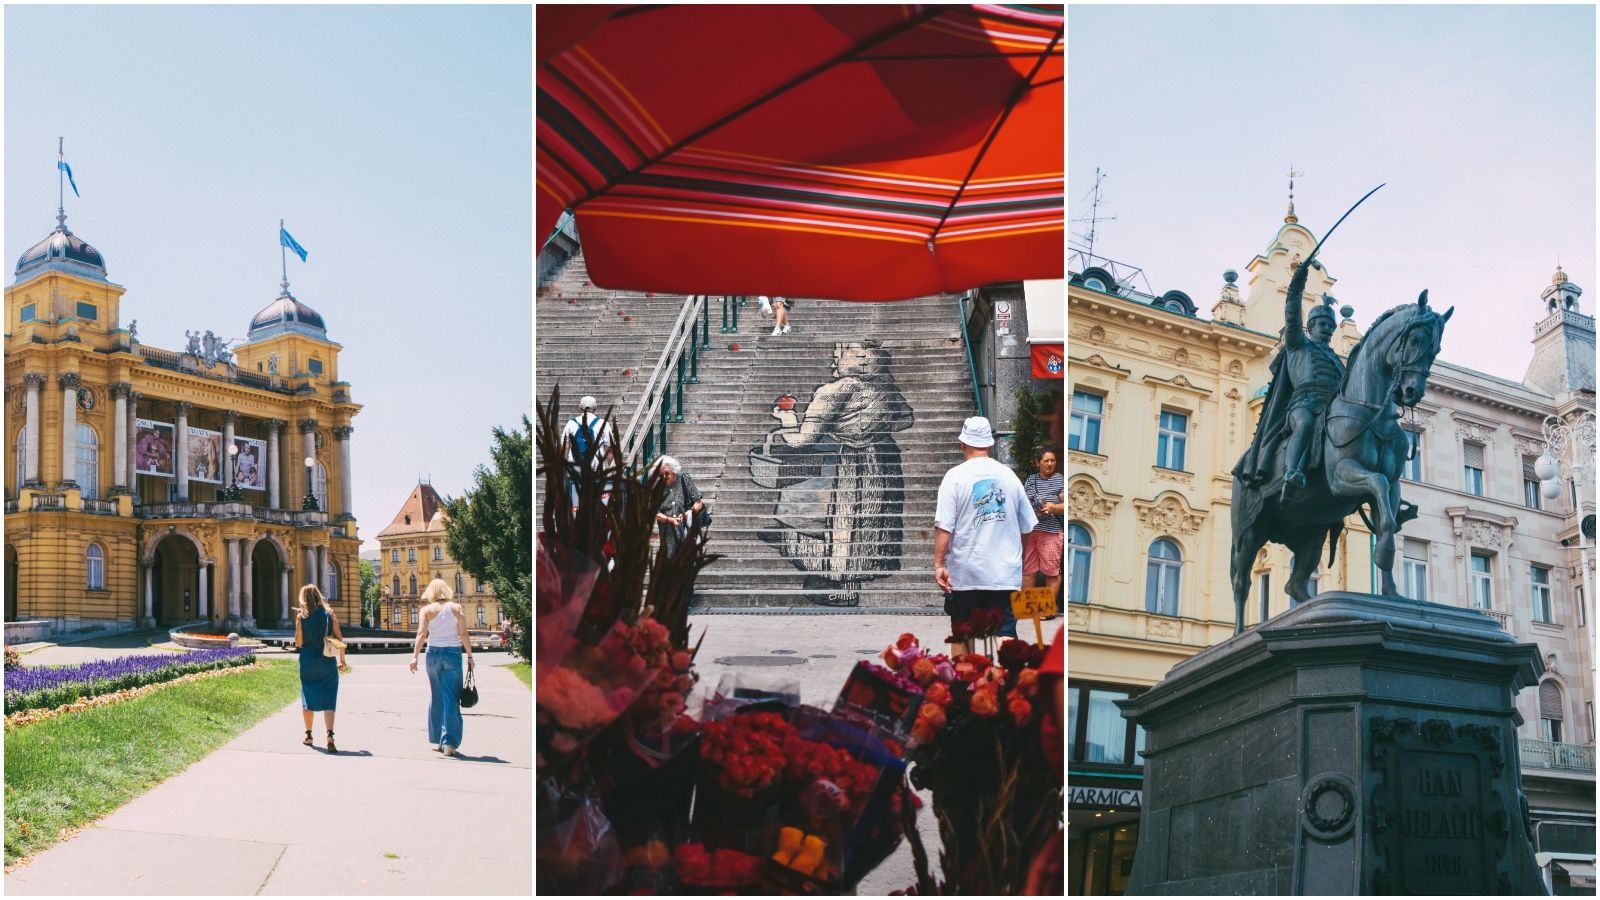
(983, 513)
(583, 431)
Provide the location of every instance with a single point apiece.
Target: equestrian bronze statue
(1329, 441)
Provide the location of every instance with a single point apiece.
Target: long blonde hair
(311, 596)
(437, 590)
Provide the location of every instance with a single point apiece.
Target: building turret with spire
(1563, 342)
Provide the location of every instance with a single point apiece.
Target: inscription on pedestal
(1439, 824)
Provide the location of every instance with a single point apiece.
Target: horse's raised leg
(1352, 479)
(1245, 547)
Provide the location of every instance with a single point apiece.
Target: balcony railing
(49, 501)
(100, 507)
(201, 509)
(1557, 757)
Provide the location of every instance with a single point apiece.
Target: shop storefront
(1105, 780)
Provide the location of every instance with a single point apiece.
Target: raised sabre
(1341, 220)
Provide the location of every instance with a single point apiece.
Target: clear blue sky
(1480, 118)
(396, 141)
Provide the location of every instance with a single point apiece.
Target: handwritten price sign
(1034, 603)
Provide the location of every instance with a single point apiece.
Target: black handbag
(469, 693)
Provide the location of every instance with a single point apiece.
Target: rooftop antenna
(1094, 197)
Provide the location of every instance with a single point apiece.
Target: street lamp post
(1569, 453)
(309, 504)
(231, 494)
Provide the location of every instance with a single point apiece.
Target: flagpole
(61, 196)
(283, 257)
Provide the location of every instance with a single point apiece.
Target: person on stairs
(585, 434)
(779, 311)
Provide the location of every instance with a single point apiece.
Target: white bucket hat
(975, 432)
(587, 403)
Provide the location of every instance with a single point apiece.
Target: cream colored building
(412, 553)
(1149, 535)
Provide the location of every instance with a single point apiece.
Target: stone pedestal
(1354, 745)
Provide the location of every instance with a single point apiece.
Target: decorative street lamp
(231, 494)
(309, 504)
(1570, 454)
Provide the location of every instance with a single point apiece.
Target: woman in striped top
(1041, 555)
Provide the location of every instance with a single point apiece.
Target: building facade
(1164, 402)
(151, 487)
(412, 553)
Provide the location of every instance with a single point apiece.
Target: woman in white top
(444, 627)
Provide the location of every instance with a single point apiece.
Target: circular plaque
(1329, 810)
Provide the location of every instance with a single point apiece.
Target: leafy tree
(489, 530)
(1029, 436)
(369, 592)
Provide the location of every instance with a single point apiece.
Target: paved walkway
(385, 816)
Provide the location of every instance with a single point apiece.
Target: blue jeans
(444, 703)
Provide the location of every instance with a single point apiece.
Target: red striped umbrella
(853, 152)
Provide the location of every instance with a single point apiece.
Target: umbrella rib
(920, 18)
(993, 133)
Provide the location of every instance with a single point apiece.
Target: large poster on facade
(205, 455)
(250, 465)
(152, 448)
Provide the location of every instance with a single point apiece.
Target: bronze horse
(1363, 450)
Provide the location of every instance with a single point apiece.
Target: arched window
(1550, 716)
(413, 589)
(319, 487)
(331, 588)
(397, 585)
(22, 461)
(95, 567)
(1079, 562)
(88, 475)
(460, 584)
(480, 615)
(1163, 578)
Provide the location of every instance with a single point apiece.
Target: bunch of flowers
(44, 688)
(746, 752)
(811, 761)
(717, 868)
(647, 645)
(13, 659)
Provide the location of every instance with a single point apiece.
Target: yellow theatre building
(151, 487)
(412, 553)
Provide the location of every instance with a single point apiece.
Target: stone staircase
(730, 412)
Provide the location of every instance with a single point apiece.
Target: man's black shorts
(958, 605)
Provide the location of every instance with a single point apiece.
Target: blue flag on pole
(288, 240)
(62, 165)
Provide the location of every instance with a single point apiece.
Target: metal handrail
(966, 341)
(661, 379)
(1555, 755)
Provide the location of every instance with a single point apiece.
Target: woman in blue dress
(319, 675)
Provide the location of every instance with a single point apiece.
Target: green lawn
(76, 768)
(524, 671)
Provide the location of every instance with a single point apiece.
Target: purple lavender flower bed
(36, 688)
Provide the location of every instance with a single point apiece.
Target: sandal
(331, 747)
(307, 741)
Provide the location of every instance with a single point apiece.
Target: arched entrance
(176, 580)
(266, 589)
(11, 584)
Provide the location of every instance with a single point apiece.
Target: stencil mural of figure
(837, 468)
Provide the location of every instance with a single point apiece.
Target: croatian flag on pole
(61, 163)
(288, 240)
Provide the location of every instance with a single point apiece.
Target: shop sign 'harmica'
(1101, 798)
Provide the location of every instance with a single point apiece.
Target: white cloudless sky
(1481, 119)
(395, 140)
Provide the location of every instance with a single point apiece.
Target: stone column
(309, 575)
(133, 434)
(308, 442)
(322, 568)
(229, 417)
(149, 591)
(283, 589)
(34, 383)
(180, 462)
(203, 604)
(274, 463)
(119, 441)
(233, 580)
(346, 508)
(69, 382)
(247, 588)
